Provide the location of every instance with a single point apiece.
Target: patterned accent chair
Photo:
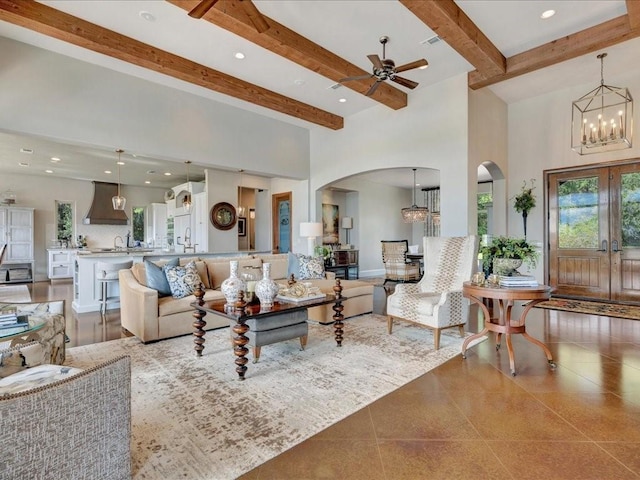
(436, 301)
(396, 266)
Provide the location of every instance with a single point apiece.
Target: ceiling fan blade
(375, 59)
(409, 66)
(255, 16)
(203, 7)
(405, 82)
(358, 77)
(373, 88)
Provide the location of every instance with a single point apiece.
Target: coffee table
(35, 322)
(505, 298)
(279, 313)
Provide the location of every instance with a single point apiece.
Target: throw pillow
(157, 278)
(311, 267)
(293, 265)
(183, 281)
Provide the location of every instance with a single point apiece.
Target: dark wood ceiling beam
(633, 11)
(54, 23)
(451, 24)
(590, 40)
(230, 15)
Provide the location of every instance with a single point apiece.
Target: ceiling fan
(257, 19)
(386, 69)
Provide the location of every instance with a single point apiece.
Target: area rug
(192, 417)
(592, 308)
(14, 293)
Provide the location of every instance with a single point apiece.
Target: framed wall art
(242, 226)
(330, 225)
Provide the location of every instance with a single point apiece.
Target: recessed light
(342, 100)
(119, 162)
(28, 151)
(151, 172)
(49, 171)
(299, 82)
(147, 182)
(55, 159)
(168, 174)
(239, 55)
(23, 164)
(107, 171)
(148, 16)
(547, 14)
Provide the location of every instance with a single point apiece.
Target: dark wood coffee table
(241, 312)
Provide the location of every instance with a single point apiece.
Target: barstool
(107, 273)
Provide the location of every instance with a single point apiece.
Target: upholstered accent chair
(436, 301)
(75, 428)
(396, 265)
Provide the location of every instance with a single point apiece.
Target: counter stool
(107, 273)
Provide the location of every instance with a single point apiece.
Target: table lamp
(311, 230)
(347, 224)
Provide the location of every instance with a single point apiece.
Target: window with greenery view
(630, 209)
(138, 224)
(484, 199)
(578, 213)
(64, 221)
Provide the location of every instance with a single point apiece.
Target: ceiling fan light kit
(414, 213)
(602, 120)
(385, 69)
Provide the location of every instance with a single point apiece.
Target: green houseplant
(511, 248)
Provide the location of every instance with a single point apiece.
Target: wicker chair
(397, 267)
(436, 301)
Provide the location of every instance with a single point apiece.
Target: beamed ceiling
(444, 17)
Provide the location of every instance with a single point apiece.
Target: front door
(594, 232)
(281, 215)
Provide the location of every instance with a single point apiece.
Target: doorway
(594, 232)
(281, 218)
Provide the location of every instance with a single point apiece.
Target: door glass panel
(578, 213)
(284, 212)
(630, 209)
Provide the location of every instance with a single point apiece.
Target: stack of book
(11, 320)
(518, 281)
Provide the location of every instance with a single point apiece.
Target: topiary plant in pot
(502, 247)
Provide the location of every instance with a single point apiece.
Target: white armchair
(436, 301)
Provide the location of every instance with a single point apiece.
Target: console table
(504, 323)
(344, 263)
(284, 316)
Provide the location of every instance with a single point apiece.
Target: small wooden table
(241, 312)
(504, 323)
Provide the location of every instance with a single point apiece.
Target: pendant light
(414, 213)
(186, 202)
(119, 201)
(241, 210)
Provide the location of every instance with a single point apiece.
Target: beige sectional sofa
(150, 317)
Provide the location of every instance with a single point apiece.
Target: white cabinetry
(61, 263)
(156, 224)
(201, 215)
(16, 230)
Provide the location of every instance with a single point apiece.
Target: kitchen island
(86, 288)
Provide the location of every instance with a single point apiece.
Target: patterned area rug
(592, 308)
(192, 418)
(14, 293)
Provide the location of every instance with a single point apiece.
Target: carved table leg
(240, 340)
(199, 324)
(337, 316)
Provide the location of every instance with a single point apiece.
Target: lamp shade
(347, 222)
(310, 229)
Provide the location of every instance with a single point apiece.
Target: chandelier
(119, 201)
(414, 213)
(602, 120)
(186, 201)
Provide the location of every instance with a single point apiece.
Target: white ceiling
(348, 28)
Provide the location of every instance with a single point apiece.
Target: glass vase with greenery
(506, 247)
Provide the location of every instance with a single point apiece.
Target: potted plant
(524, 202)
(502, 247)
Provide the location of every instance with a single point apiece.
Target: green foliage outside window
(138, 224)
(64, 220)
(484, 199)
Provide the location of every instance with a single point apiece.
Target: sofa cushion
(156, 277)
(310, 267)
(351, 288)
(183, 280)
(169, 305)
(279, 263)
(219, 268)
(293, 265)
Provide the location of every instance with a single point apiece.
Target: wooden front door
(281, 217)
(594, 232)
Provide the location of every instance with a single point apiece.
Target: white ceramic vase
(266, 289)
(232, 286)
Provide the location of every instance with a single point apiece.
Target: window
(64, 221)
(138, 224)
(485, 201)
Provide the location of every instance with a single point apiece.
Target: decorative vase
(232, 286)
(506, 266)
(266, 289)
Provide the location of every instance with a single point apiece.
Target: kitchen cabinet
(16, 230)
(156, 225)
(61, 263)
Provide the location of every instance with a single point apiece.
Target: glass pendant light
(414, 213)
(119, 201)
(186, 202)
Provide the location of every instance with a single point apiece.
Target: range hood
(101, 211)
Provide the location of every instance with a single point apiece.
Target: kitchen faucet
(115, 241)
(187, 241)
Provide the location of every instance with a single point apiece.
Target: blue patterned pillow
(310, 267)
(183, 281)
(156, 277)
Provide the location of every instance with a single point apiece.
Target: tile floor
(470, 419)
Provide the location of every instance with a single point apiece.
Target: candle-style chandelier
(602, 120)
